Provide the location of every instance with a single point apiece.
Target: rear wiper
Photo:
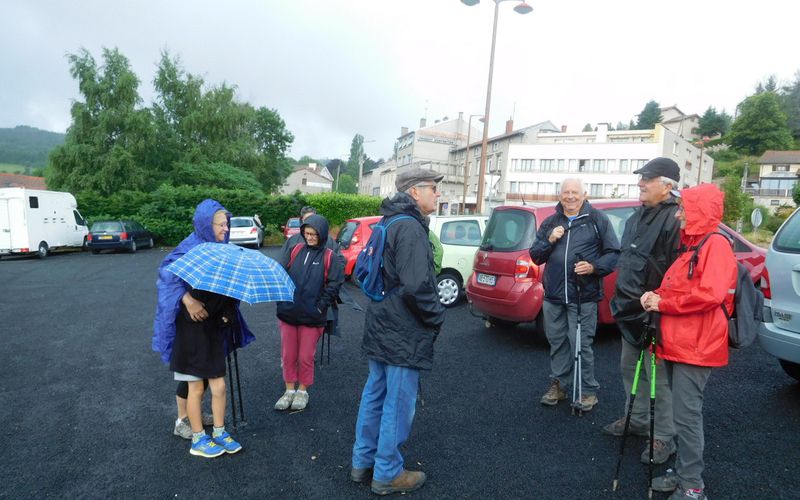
(488, 247)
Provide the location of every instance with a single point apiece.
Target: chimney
(563, 128)
(422, 122)
(403, 131)
(509, 126)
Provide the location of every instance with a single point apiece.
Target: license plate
(487, 279)
(106, 237)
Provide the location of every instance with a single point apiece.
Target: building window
(688, 165)
(595, 190)
(561, 165)
(583, 165)
(489, 164)
(495, 146)
(774, 203)
(624, 168)
(514, 164)
(33, 201)
(512, 187)
(547, 165)
(526, 165)
(477, 152)
(304, 181)
(780, 168)
(675, 148)
(637, 164)
(598, 165)
(573, 165)
(612, 165)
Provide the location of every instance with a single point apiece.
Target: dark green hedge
(168, 210)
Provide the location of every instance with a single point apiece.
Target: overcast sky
(334, 68)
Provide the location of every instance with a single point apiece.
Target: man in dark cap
(649, 246)
(399, 333)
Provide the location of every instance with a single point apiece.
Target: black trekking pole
(577, 381)
(230, 383)
(631, 399)
(238, 384)
(652, 330)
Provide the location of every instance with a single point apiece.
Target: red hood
(703, 206)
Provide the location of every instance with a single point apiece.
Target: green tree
(356, 153)
(761, 125)
(346, 184)
(796, 194)
(737, 204)
(107, 146)
(650, 115)
(790, 103)
(587, 128)
(713, 123)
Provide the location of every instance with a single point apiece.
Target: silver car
(780, 332)
(246, 231)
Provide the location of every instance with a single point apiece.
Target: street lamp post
(702, 143)
(361, 158)
(466, 164)
(521, 8)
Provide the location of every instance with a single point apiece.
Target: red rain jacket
(694, 329)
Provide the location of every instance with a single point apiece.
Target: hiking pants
(640, 415)
(560, 325)
(385, 415)
(688, 383)
(298, 346)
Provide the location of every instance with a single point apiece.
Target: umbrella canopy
(234, 271)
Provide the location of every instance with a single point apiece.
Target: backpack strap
(295, 250)
(696, 249)
(328, 256)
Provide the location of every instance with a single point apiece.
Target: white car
(461, 236)
(780, 332)
(246, 231)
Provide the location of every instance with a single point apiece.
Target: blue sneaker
(228, 443)
(206, 447)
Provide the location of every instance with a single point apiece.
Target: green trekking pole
(652, 408)
(631, 399)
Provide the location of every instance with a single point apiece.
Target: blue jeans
(384, 420)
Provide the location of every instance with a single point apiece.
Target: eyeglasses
(220, 224)
(310, 235)
(433, 187)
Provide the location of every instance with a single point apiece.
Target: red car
(352, 237)
(291, 228)
(506, 286)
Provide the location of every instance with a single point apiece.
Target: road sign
(756, 219)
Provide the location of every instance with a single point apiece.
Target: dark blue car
(118, 235)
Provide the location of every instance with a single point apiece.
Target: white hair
(579, 182)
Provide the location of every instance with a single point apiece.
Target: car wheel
(449, 288)
(85, 245)
(150, 243)
(499, 323)
(791, 369)
(43, 250)
(133, 246)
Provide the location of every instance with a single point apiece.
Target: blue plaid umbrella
(234, 271)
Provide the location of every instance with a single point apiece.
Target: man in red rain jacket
(694, 330)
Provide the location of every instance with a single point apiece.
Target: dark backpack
(748, 301)
(328, 255)
(369, 265)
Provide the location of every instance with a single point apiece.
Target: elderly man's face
(426, 194)
(652, 191)
(571, 197)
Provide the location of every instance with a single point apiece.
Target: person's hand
(195, 308)
(650, 301)
(556, 234)
(583, 268)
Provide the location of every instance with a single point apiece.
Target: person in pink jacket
(694, 329)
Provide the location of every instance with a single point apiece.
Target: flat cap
(414, 176)
(660, 167)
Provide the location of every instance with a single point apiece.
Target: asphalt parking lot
(88, 408)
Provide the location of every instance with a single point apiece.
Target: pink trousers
(298, 346)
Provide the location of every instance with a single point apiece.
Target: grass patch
(10, 168)
(761, 237)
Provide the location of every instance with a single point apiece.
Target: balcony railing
(780, 193)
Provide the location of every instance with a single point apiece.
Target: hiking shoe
(300, 400)
(587, 402)
(227, 442)
(285, 401)
(406, 482)
(183, 428)
(617, 428)
(662, 450)
(360, 474)
(554, 394)
(206, 447)
(208, 419)
(688, 494)
(666, 483)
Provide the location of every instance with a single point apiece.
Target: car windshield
(294, 222)
(241, 222)
(509, 231)
(346, 234)
(106, 227)
(788, 237)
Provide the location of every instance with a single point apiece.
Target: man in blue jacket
(399, 333)
(579, 247)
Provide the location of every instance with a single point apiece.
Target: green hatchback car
(461, 236)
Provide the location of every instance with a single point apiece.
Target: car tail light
(764, 284)
(89, 237)
(253, 231)
(123, 235)
(354, 240)
(525, 270)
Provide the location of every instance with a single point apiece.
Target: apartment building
(311, 179)
(778, 173)
(604, 160)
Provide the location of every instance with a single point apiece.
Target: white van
(461, 236)
(39, 221)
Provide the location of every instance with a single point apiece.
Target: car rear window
(241, 222)
(617, 217)
(461, 233)
(346, 234)
(509, 231)
(788, 237)
(106, 227)
(294, 222)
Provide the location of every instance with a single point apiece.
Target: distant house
(777, 175)
(26, 181)
(685, 126)
(310, 179)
